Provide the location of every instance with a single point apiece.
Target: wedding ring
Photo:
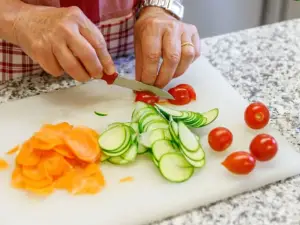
(187, 44)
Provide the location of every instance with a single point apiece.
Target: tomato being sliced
(264, 147)
(190, 89)
(257, 115)
(241, 163)
(220, 138)
(181, 96)
(146, 97)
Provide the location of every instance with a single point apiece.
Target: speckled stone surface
(262, 64)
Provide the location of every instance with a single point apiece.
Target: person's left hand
(159, 35)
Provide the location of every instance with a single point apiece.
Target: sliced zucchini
(175, 168)
(147, 139)
(103, 157)
(161, 147)
(118, 160)
(211, 116)
(155, 125)
(168, 112)
(135, 127)
(141, 149)
(196, 156)
(131, 154)
(187, 138)
(197, 164)
(114, 138)
(154, 160)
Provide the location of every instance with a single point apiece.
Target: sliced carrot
(3, 164)
(37, 183)
(17, 178)
(55, 165)
(27, 156)
(41, 191)
(34, 172)
(13, 150)
(64, 150)
(83, 144)
(59, 156)
(126, 179)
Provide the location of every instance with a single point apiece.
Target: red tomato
(181, 96)
(190, 90)
(257, 115)
(264, 147)
(147, 97)
(220, 138)
(240, 163)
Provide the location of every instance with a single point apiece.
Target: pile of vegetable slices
(164, 133)
(59, 156)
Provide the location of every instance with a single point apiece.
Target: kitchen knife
(116, 79)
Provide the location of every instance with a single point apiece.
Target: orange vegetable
(58, 156)
(84, 144)
(13, 150)
(126, 179)
(3, 164)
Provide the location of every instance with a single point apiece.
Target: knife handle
(109, 79)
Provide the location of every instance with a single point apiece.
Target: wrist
(9, 13)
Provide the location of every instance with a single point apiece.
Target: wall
(214, 17)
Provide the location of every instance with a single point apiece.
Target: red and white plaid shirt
(115, 19)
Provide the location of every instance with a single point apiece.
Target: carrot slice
(41, 191)
(126, 179)
(13, 150)
(59, 156)
(55, 165)
(17, 178)
(3, 164)
(34, 172)
(27, 156)
(64, 150)
(83, 144)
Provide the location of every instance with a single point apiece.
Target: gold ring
(187, 44)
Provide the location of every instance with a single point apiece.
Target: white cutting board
(149, 197)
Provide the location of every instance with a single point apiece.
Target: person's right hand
(63, 40)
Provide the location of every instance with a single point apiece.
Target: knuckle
(173, 57)
(107, 62)
(74, 11)
(153, 56)
(188, 53)
(100, 45)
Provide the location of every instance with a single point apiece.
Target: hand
(159, 35)
(63, 40)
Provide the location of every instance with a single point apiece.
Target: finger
(171, 58)
(197, 43)
(96, 39)
(84, 51)
(151, 50)
(48, 62)
(138, 60)
(70, 64)
(187, 54)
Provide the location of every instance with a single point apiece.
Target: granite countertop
(262, 64)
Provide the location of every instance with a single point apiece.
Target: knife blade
(116, 79)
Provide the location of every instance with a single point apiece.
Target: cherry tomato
(257, 115)
(220, 138)
(264, 147)
(147, 97)
(190, 90)
(181, 96)
(239, 162)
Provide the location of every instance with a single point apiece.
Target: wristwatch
(174, 7)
